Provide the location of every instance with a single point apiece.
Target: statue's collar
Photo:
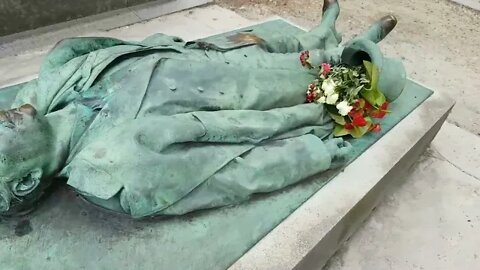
(68, 127)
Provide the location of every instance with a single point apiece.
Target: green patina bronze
(166, 127)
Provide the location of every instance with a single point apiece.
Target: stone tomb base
(297, 228)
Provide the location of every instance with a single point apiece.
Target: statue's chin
(5, 198)
(4, 205)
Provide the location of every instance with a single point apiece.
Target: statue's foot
(387, 24)
(329, 3)
(380, 29)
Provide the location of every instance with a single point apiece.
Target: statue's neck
(62, 125)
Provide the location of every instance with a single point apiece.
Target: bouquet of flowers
(351, 96)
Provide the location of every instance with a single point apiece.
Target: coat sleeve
(268, 167)
(155, 163)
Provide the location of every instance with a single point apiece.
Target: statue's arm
(268, 167)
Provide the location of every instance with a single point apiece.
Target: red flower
(326, 69)
(311, 97)
(355, 113)
(376, 128)
(368, 106)
(378, 114)
(359, 121)
(381, 112)
(312, 86)
(304, 56)
(348, 126)
(384, 106)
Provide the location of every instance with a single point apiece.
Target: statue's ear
(28, 183)
(28, 109)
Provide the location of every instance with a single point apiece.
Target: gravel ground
(437, 39)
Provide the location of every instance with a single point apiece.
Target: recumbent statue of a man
(166, 127)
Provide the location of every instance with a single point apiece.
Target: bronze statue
(165, 127)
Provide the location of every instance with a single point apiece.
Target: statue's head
(25, 151)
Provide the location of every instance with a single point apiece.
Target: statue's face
(24, 146)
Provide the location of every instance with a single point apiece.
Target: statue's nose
(5, 198)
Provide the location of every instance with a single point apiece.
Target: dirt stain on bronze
(23, 228)
(100, 153)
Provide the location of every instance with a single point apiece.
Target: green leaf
(381, 99)
(374, 97)
(338, 118)
(340, 131)
(372, 94)
(372, 73)
(357, 90)
(358, 132)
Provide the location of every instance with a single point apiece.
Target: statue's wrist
(319, 57)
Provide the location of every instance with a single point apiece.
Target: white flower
(328, 86)
(344, 108)
(323, 99)
(332, 99)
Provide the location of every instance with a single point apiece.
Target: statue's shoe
(387, 24)
(328, 4)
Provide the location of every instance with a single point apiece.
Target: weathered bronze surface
(166, 127)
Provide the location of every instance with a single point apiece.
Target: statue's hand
(339, 150)
(331, 56)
